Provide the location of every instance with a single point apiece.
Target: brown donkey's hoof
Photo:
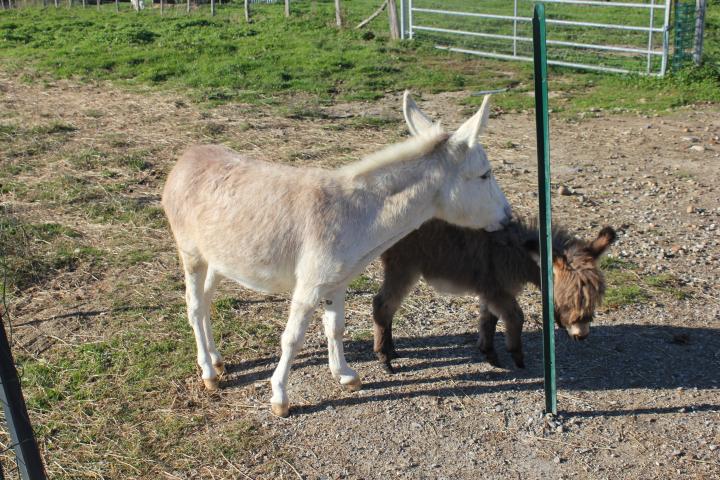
(353, 386)
(219, 368)
(211, 384)
(280, 410)
(388, 368)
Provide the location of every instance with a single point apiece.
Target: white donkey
(277, 228)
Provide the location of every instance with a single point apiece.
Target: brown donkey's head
(579, 284)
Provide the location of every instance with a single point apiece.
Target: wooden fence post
(393, 19)
(247, 11)
(287, 8)
(338, 15)
(212, 8)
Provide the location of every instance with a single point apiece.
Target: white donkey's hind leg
(334, 322)
(211, 281)
(195, 272)
(291, 342)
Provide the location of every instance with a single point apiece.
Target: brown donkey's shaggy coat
(495, 267)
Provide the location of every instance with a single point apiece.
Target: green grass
(626, 287)
(669, 284)
(364, 284)
(224, 59)
(31, 253)
(625, 294)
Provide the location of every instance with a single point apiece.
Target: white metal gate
(630, 36)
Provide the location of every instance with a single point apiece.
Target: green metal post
(543, 152)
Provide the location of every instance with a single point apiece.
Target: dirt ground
(638, 399)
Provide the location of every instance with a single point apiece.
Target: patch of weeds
(212, 129)
(117, 140)
(92, 113)
(622, 295)
(134, 161)
(32, 253)
(608, 262)
(67, 257)
(52, 128)
(257, 334)
(624, 286)
(86, 159)
(362, 335)
(364, 284)
(8, 132)
(66, 189)
(16, 167)
(237, 437)
(227, 305)
(305, 113)
(660, 281)
(49, 231)
(134, 257)
(667, 283)
(13, 231)
(373, 122)
(16, 188)
(120, 209)
(303, 155)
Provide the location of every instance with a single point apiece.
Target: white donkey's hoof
(280, 409)
(211, 384)
(219, 367)
(353, 385)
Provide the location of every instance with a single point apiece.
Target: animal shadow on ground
(614, 357)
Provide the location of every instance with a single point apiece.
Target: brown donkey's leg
(486, 341)
(509, 310)
(395, 287)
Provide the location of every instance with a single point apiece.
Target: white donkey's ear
(470, 131)
(416, 120)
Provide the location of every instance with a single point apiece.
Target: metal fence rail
(648, 51)
(27, 456)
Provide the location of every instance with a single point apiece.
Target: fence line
(648, 50)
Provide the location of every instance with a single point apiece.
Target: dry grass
(94, 285)
(96, 295)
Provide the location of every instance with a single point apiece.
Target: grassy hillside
(223, 58)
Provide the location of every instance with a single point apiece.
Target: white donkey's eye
(485, 175)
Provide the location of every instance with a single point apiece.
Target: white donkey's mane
(411, 149)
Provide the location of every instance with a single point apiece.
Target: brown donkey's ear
(598, 246)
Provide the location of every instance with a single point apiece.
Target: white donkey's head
(471, 197)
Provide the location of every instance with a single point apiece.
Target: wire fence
(629, 36)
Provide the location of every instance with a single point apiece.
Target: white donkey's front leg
(334, 322)
(291, 342)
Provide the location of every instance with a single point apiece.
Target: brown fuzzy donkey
(494, 266)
